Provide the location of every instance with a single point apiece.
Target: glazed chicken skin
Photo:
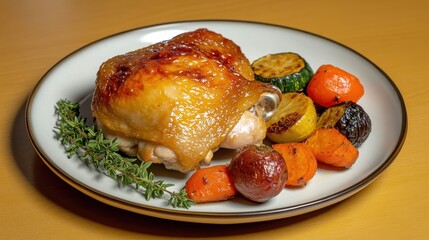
(177, 101)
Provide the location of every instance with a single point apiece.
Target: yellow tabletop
(34, 35)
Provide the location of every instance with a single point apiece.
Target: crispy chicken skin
(184, 95)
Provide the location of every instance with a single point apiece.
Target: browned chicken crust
(186, 94)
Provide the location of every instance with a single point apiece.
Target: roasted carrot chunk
(331, 85)
(300, 161)
(210, 184)
(329, 146)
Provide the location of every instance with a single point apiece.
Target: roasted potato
(258, 172)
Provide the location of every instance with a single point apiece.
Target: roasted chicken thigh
(177, 101)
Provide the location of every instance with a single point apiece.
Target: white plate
(74, 76)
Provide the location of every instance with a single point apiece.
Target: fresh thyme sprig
(90, 145)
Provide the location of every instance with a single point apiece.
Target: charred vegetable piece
(294, 120)
(259, 172)
(288, 71)
(350, 119)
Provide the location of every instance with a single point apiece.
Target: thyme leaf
(90, 145)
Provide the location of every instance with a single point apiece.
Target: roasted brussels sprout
(350, 119)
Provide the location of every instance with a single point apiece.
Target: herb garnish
(90, 145)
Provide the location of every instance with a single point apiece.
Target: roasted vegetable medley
(318, 122)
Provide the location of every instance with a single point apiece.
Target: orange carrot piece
(331, 147)
(210, 184)
(331, 85)
(300, 161)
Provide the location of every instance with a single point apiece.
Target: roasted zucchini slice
(294, 120)
(348, 118)
(288, 71)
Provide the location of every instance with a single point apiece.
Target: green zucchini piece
(288, 71)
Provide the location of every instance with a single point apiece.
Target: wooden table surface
(34, 35)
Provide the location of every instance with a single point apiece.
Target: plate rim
(213, 217)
